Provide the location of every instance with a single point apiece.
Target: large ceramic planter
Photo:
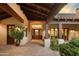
(47, 43)
(17, 42)
(61, 41)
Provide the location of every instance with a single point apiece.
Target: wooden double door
(10, 40)
(36, 34)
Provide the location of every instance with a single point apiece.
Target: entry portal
(36, 34)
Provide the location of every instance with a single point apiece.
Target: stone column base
(24, 41)
(47, 43)
(61, 41)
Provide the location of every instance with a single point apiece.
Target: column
(60, 31)
(47, 39)
(46, 31)
(73, 19)
(60, 40)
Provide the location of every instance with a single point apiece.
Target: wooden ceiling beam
(55, 9)
(2, 11)
(3, 16)
(46, 5)
(30, 12)
(38, 7)
(34, 15)
(9, 10)
(34, 11)
(27, 11)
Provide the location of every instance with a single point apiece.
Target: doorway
(10, 40)
(36, 34)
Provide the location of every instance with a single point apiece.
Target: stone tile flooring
(39, 42)
(29, 49)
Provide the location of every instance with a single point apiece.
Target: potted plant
(17, 33)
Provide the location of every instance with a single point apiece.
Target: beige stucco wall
(18, 10)
(11, 20)
(73, 34)
(3, 28)
(3, 34)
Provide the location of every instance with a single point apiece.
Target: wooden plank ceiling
(40, 11)
(3, 14)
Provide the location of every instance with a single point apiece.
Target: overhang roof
(36, 11)
(66, 16)
(40, 11)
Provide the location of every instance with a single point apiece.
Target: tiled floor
(39, 42)
(29, 49)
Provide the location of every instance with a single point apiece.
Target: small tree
(17, 33)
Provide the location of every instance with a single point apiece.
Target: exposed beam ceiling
(42, 11)
(55, 9)
(9, 9)
(4, 15)
(34, 16)
(32, 10)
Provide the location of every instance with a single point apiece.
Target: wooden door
(10, 40)
(36, 34)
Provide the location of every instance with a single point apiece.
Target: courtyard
(29, 29)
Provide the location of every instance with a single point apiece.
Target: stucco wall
(3, 34)
(73, 34)
(18, 10)
(11, 20)
(3, 28)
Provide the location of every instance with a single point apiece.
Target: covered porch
(19, 14)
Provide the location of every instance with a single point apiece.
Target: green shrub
(17, 33)
(69, 49)
(54, 43)
(75, 42)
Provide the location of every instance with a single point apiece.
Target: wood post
(46, 31)
(60, 30)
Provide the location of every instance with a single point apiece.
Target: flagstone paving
(29, 49)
